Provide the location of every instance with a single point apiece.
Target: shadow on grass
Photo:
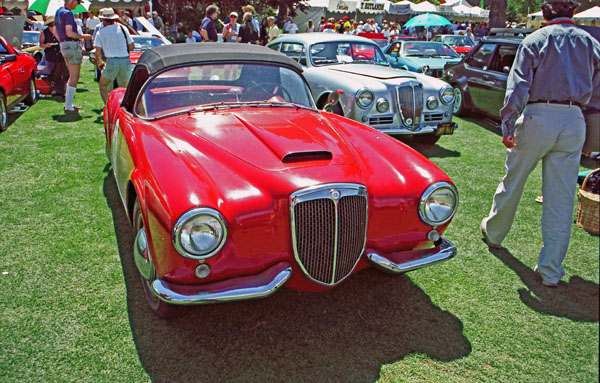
(67, 117)
(577, 300)
(484, 122)
(10, 119)
(342, 335)
(434, 151)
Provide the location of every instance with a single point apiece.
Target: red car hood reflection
(134, 56)
(288, 138)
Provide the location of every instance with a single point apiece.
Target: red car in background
(461, 44)
(17, 80)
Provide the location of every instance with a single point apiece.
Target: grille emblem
(335, 195)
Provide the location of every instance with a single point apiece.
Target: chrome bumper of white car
(422, 130)
(446, 251)
(243, 288)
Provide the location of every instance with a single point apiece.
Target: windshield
(222, 86)
(31, 37)
(459, 41)
(341, 52)
(427, 49)
(143, 43)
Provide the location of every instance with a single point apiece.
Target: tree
(498, 14)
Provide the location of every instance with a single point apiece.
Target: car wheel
(459, 101)
(32, 96)
(160, 308)
(426, 139)
(3, 113)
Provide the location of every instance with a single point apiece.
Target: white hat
(108, 13)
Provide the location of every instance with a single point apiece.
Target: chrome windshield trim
(447, 250)
(243, 288)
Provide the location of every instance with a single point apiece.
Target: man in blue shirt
(70, 47)
(208, 29)
(554, 74)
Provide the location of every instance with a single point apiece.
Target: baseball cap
(233, 14)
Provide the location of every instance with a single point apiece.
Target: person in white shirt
(231, 30)
(91, 22)
(273, 28)
(291, 27)
(189, 39)
(114, 40)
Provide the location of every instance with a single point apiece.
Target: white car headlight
(438, 203)
(447, 95)
(382, 105)
(199, 233)
(364, 98)
(432, 102)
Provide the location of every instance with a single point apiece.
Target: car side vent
(318, 155)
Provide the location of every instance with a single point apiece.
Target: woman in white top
(311, 27)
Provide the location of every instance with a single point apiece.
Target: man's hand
(509, 141)
(86, 36)
(101, 66)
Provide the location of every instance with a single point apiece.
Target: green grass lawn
(72, 308)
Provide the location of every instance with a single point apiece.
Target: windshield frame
(378, 52)
(199, 108)
(453, 53)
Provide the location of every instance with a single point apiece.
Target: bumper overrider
(269, 281)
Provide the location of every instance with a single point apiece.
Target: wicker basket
(588, 208)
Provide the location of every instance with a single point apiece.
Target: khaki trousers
(553, 134)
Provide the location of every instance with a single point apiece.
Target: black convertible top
(155, 59)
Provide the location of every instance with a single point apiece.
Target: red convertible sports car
(236, 184)
(17, 80)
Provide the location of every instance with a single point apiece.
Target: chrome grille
(410, 103)
(381, 120)
(329, 230)
(433, 117)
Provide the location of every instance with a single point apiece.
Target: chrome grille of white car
(410, 103)
(329, 227)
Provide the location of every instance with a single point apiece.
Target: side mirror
(425, 69)
(506, 69)
(332, 99)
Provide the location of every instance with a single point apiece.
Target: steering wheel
(268, 88)
(361, 56)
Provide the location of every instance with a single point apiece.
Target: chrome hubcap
(3, 113)
(457, 100)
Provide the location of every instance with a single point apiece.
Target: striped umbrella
(49, 7)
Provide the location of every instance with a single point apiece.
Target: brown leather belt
(574, 103)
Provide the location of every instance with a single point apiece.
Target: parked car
(391, 100)
(421, 56)
(479, 80)
(31, 44)
(236, 184)
(461, 44)
(17, 80)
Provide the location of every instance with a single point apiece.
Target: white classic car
(393, 101)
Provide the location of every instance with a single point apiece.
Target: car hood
(270, 139)
(369, 70)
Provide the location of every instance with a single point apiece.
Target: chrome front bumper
(424, 129)
(447, 250)
(243, 288)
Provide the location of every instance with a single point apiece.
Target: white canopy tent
(371, 6)
(424, 7)
(535, 20)
(589, 16)
(400, 8)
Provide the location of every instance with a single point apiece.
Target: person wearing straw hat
(70, 47)
(554, 74)
(53, 58)
(114, 40)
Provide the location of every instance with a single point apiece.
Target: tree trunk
(498, 14)
(283, 12)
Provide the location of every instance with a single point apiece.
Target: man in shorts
(116, 42)
(70, 47)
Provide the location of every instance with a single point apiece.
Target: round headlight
(364, 98)
(438, 203)
(199, 233)
(432, 102)
(382, 105)
(447, 95)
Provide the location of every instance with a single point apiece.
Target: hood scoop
(306, 156)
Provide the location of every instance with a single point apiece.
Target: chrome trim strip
(243, 288)
(323, 192)
(447, 251)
